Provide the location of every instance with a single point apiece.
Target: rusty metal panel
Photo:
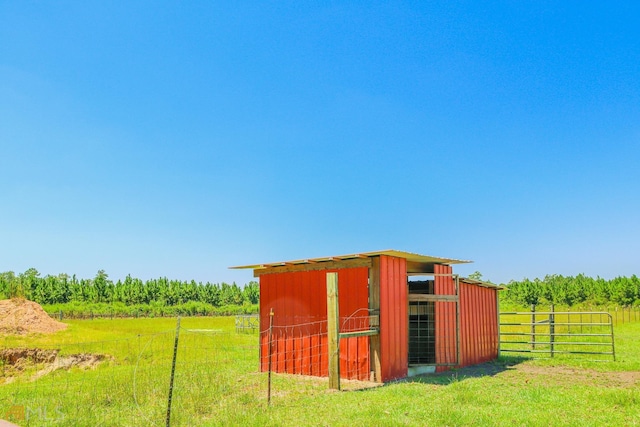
(299, 302)
(394, 334)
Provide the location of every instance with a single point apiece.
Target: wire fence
(300, 346)
(213, 375)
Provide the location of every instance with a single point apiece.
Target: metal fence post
(269, 353)
(613, 345)
(173, 371)
(552, 329)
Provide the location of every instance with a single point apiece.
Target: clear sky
(177, 139)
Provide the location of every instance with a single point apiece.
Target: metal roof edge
(481, 283)
(410, 256)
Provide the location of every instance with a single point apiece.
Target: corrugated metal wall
(394, 333)
(446, 345)
(478, 322)
(299, 302)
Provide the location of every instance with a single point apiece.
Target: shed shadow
(488, 369)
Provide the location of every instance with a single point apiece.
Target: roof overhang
(416, 263)
(481, 283)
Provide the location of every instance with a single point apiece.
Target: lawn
(217, 383)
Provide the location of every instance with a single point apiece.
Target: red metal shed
(399, 313)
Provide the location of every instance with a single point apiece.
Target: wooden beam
(374, 308)
(418, 268)
(321, 265)
(333, 332)
(368, 333)
(432, 298)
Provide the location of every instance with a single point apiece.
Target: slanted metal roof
(481, 283)
(409, 256)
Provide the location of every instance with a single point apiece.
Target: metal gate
(551, 333)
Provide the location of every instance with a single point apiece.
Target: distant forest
(569, 291)
(62, 289)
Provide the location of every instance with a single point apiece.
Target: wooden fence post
(333, 314)
(533, 326)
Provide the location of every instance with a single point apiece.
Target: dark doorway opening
(422, 328)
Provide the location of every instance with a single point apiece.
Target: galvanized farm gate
(550, 333)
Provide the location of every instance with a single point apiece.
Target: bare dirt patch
(20, 316)
(526, 373)
(37, 362)
(567, 375)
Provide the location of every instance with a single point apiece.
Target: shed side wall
(445, 318)
(478, 328)
(394, 333)
(478, 322)
(299, 302)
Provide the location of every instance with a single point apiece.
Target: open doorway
(422, 327)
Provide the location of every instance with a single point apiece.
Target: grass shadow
(488, 369)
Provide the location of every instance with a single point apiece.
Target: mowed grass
(217, 383)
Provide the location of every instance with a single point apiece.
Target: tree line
(62, 289)
(574, 290)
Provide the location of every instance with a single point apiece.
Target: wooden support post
(333, 322)
(374, 309)
(533, 326)
(456, 279)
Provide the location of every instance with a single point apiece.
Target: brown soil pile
(18, 356)
(40, 362)
(19, 316)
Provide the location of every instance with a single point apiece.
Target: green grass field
(217, 383)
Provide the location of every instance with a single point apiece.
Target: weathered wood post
(533, 326)
(333, 314)
(374, 311)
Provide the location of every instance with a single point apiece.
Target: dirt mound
(19, 316)
(40, 362)
(17, 356)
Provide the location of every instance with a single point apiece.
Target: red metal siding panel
(394, 334)
(464, 327)
(299, 302)
(445, 317)
(478, 329)
(478, 324)
(353, 295)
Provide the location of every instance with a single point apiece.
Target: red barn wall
(394, 332)
(478, 322)
(299, 303)
(445, 317)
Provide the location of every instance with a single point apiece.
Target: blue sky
(180, 138)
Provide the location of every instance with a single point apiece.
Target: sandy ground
(19, 316)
